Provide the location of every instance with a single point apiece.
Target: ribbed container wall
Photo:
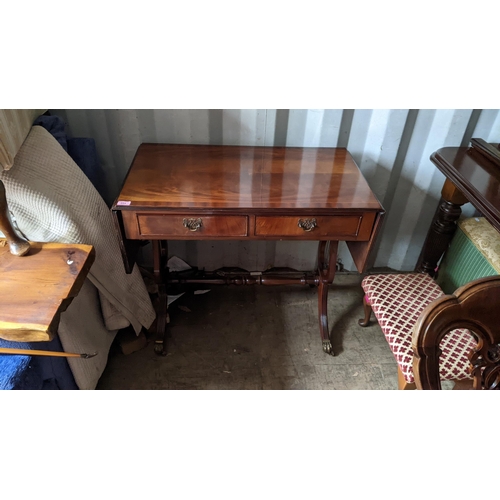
(391, 147)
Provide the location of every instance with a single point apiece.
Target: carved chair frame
(475, 306)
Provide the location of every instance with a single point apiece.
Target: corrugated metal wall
(391, 147)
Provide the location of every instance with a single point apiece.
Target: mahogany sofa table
(196, 192)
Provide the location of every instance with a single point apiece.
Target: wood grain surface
(172, 226)
(36, 288)
(244, 177)
(324, 226)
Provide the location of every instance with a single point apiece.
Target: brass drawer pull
(307, 224)
(192, 224)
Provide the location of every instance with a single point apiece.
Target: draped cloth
(15, 125)
(52, 200)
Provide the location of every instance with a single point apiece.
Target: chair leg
(368, 310)
(403, 385)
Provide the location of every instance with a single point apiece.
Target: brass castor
(160, 349)
(327, 347)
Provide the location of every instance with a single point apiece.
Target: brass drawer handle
(192, 224)
(307, 224)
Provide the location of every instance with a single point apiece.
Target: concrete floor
(259, 337)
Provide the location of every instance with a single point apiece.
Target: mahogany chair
(475, 306)
(436, 337)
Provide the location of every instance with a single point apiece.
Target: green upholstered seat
(474, 253)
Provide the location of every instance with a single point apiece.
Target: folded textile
(82, 329)
(82, 149)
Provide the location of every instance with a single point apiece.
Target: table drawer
(338, 226)
(191, 226)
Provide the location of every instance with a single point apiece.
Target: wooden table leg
(442, 228)
(327, 261)
(160, 271)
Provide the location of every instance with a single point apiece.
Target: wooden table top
(36, 288)
(475, 175)
(243, 177)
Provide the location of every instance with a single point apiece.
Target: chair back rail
(475, 306)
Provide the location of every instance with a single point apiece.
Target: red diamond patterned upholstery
(397, 300)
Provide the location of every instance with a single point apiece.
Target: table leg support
(442, 228)
(327, 261)
(160, 271)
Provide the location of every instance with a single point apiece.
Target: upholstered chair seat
(397, 301)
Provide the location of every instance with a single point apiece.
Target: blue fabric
(84, 154)
(54, 125)
(35, 372)
(83, 151)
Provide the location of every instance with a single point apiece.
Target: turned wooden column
(17, 244)
(442, 228)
